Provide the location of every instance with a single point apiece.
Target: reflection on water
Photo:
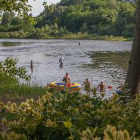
(95, 60)
(118, 59)
(113, 63)
(10, 44)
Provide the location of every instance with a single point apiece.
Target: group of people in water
(87, 85)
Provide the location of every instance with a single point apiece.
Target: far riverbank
(79, 35)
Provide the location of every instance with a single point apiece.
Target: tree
(133, 74)
(84, 27)
(17, 21)
(6, 18)
(20, 7)
(17, 6)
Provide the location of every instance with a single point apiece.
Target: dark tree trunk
(133, 74)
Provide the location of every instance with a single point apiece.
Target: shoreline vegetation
(79, 35)
(111, 20)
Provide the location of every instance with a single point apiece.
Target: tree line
(71, 18)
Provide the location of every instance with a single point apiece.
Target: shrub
(9, 73)
(73, 116)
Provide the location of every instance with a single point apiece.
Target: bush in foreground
(75, 116)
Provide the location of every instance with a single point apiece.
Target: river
(97, 60)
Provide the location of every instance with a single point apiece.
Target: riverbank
(105, 38)
(79, 35)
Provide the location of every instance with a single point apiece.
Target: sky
(37, 7)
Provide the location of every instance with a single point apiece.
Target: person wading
(67, 80)
(61, 61)
(101, 87)
(87, 85)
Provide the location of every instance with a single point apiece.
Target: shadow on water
(12, 44)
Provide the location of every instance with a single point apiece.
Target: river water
(97, 60)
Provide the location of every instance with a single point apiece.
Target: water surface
(97, 60)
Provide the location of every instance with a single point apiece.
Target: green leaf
(67, 124)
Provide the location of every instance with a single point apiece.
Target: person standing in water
(87, 85)
(67, 80)
(79, 43)
(61, 61)
(101, 87)
(31, 65)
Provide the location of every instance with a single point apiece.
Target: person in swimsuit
(101, 87)
(87, 85)
(67, 80)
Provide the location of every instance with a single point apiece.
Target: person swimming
(120, 88)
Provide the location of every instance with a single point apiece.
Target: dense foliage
(10, 73)
(20, 7)
(69, 17)
(72, 116)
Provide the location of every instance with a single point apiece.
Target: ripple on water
(93, 59)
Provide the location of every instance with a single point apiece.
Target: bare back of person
(87, 85)
(67, 78)
(101, 87)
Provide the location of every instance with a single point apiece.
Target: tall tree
(133, 74)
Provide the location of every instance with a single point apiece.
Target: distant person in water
(61, 61)
(120, 88)
(31, 65)
(79, 43)
(61, 66)
(101, 87)
(87, 85)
